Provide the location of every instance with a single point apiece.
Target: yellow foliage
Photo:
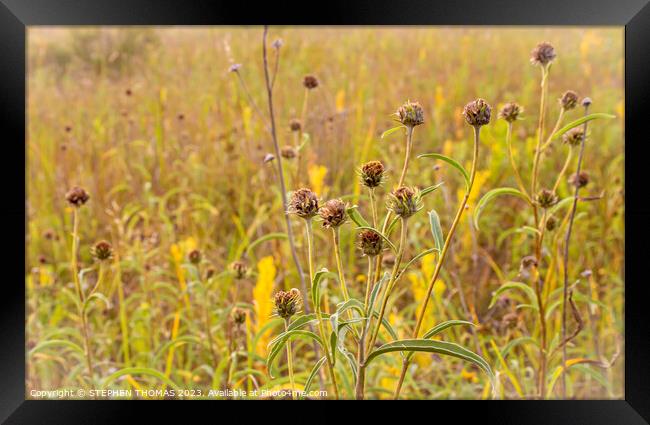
(317, 178)
(262, 298)
(340, 100)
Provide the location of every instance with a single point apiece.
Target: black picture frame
(16, 15)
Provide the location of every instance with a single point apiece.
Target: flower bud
(546, 198)
(287, 303)
(542, 54)
(410, 114)
(586, 102)
(551, 223)
(477, 113)
(288, 152)
(310, 82)
(238, 315)
(333, 213)
(240, 269)
(404, 202)
(510, 111)
(370, 243)
(569, 100)
(372, 174)
(574, 136)
(579, 180)
(295, 125)
(303, 203)
(102, 251)
(77, 196)
(194, 256)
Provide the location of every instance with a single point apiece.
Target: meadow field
(184, 240)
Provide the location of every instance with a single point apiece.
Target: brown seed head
(546, 198)
(102, 251)
(569, 100)
(238, 315)
(477, 112)
(574, 136)
(372, 174)
(404, 201)
(510, 111)
(542, 54)
(288, 152)
(551, 223)
(287, 303)
(295, 125)
(410, 114)
(310, 82)
(303, 203)
(77, 196)
(194, 256)
(240, 269)
(528, 262)
(370, 243)
(579, 180)
(333, 213)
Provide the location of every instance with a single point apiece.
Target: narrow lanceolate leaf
(376, 289)
(451, 162)
(279, 344)
(530, 292)
(270, 236)
(355, 216)
(430, 189)
(441, 327)
(429, 346)
(138, 371)
(312, 374)
(490, 196)
(57, 343)
(301, 321)
(392, 130)
(320, 275)
(390, 244)
(581, 121)
(436, 230)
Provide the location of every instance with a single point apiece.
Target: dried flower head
(295, 125)
(239, 268)
(372, 174)
(49, 234)
(404, 201)
(277, 43)
(546, 198)
(569, 100)
(287, 303)
(310, 82)
(528, 262)
(574, 136)
(410, 114)
(579, 180)
(194, 256)
(288, 152)
(77, 196)
(370, 243)
(238, 315)
(551, 223)
(102, 251)
(303, 203)
(542, 54)
(510, 111)
(209, 272)
(477, 112)
(333, 213)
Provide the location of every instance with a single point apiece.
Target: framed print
(362, 202)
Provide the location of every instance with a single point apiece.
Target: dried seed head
(49, 234)
(333, 213)
(542, 54)
(42, 259)
(569, 100)
(240, 269)
(510, 111)
(194, 256)
(303, 203)
(477, 112)
(288, 152)
(579, 180)
(551, 223)
(410, 114)
(77, 196)
(128, 92)
(209, 272)
(574, 136)
(372, 174)
(310, 82)
(287, 303)
(528, 262)
(370, 243)
(102, 251)
(586, 102)
(546, 198)
(404, 201)
(295, 125)
(238, 315)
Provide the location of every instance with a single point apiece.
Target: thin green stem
(564, 168)
(339, 266)
(289, 360)
(409, 145)
(520, 182)
(360, 384)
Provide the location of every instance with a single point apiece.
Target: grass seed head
(569, 100)
(287, 303)
(77, 196)
(333, 213)
(303, 203)
(543, 54)
(410, 114)
(102, 251)
(546, 198)
(370, 243)
(310, 82)
(372, 174)
(579, 180)
(404, 201)
(574, 136)
(510, 111)
(477, 112)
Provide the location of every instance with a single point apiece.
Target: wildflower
(288, 152)
(551, 223)
(268, 158)
(238, 315)
(102, 251)
(370, 243)
(404, 201)
(310, 82)
(574, 136)
(277, 43)
(287, 303)
(77, 196)
(295, 125)
(240, 269)
(372, 174)
(579, 180)
(542, 54)
(510, 111)
(410, 114)
(477, 112)
(194, 256)
(303, 203)
(546, 198)
(234, 67)
(586, 102)
(569, 100)
(333, 213)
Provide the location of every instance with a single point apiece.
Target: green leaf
(138, 371)
(445, 325)
(491, 195)
(355, 216)
(301, 321)
(515, 342)
(430, 346)
(56, 343)
(514, 285)
(392, 130)
(352, 303)
(270, 236)
(280, 341)
(312, 374)
(390, 244)
(451, 162)
(315, 285)
(436, 230)
(97, 296)
(416, 258)
(580, 121)
(376, 289)
(430, 189)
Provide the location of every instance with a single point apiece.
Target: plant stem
(208, 330)
(289, 360)
(359, 390)
(567, 238)
(520, 182)
(339, 266)
(443, 255)
(409, 145)
(564, 168)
